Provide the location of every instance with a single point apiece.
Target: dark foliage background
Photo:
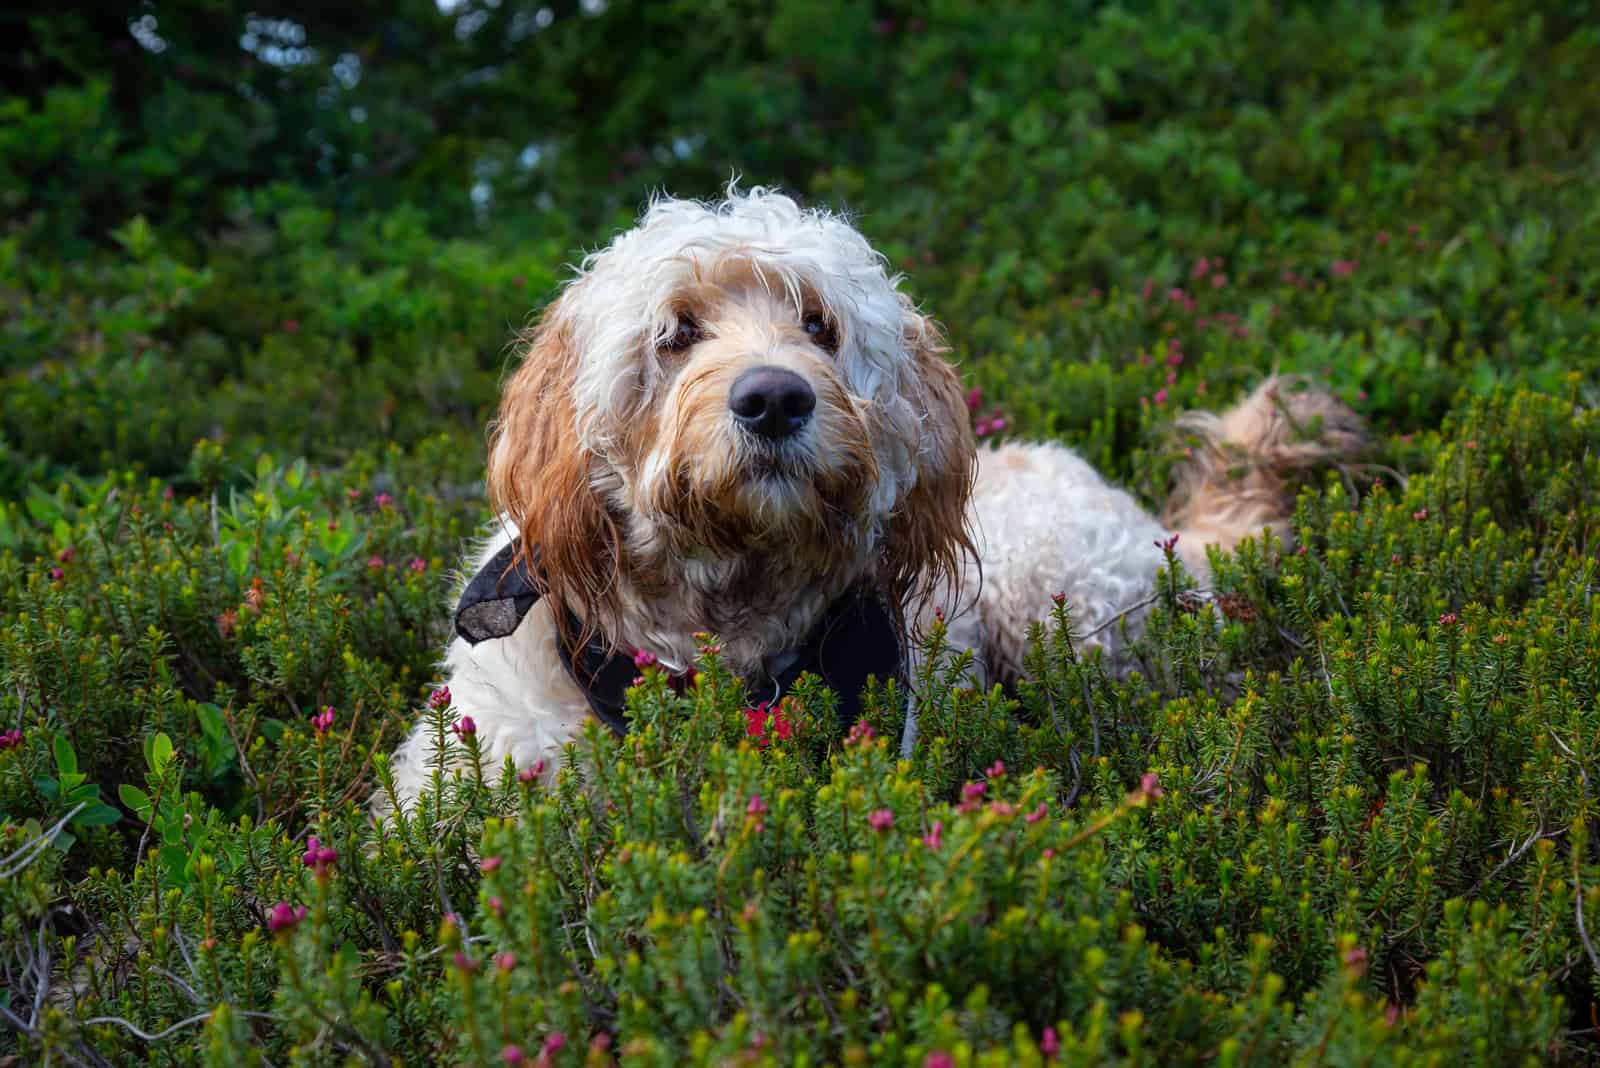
(259, 271)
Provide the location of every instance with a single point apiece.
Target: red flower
(756, 723)
(439, 699)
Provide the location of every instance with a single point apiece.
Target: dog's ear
(540, 476)
(927, 539)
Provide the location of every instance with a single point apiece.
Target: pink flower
(1343, 268)
(322, 722)
(1049, 1043)
(291, 326)
(1037, 814)
(1150, 786)
(383, 500)
(935, 837)
(1161, 395)
(1202, 267)
(374, 563)
(860, 734)
(439, 699)
(505, 961)
(553, 1044)
(513, 1054)
(1449, 619)
(644, 658)
(10, 739)
(66, 555)
(1149, 289)
(997, 424)
(418, 564)
(318, 857)
(974, 399)
(465, 728)
(1218, 281)
(939, 1059)
(489, 864)
(56, 574)
(531, 774)
(284, 917)
(981, 428)
(1383, 237)
(880, 820)
(996, 770)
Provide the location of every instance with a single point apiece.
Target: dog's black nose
(771, 402)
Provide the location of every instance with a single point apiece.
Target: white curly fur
(1042, 520)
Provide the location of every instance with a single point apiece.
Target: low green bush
(250, 342)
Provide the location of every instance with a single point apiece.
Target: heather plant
(259, 278)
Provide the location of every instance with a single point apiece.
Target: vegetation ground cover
(259, 277)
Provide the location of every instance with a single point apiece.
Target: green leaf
(160, 754)
(135, 799)
(96, 816)
(66, 759)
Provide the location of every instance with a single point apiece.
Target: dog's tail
(1241, 470)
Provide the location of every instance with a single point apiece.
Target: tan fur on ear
(539, 477)
(928, 539)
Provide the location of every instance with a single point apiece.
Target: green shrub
(1340, 815)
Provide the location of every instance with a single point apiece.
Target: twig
(36, 847)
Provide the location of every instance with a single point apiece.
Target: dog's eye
(821, 332)
(685, 335)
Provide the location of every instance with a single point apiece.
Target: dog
(734, 421)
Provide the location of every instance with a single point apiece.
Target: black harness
(856, 638)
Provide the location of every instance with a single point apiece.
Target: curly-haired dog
(733, 421)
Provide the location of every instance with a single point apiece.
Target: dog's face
(727, 385)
